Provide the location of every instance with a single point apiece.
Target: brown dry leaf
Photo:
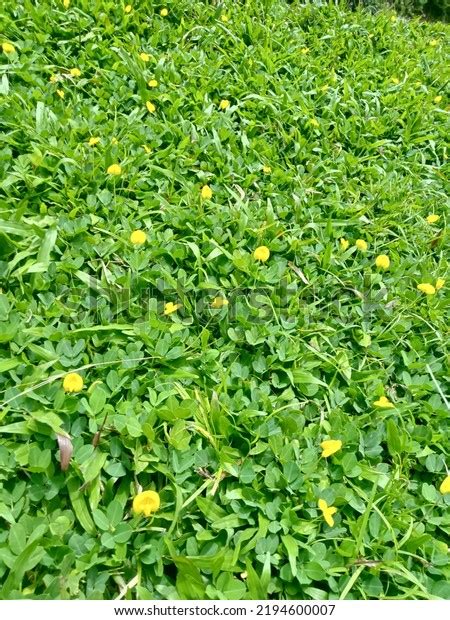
(65, 451)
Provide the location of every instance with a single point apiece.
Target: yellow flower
(150, 107)
(128, 8)
(75, 72)
(344, 243)
(146, 148)
(164, 12)
(66, 4)
(93, 141)
(261, 253)
(314, 122)
(60, 93)
(433, 218)
(434, 42)
(8, 48)
(206, 192)
(170, 307)
(439, 283)
(224, 104)
(53, 79)
(361, 245)
(114, 169)
(330, 446)
(224, 18)
(145, 57)
(304, 50)
(114, 141)
(267, 169)
(384, 403)
(327, 512)
(146, 503)
(153, 83)
(438, 99)
(426, 288)
(395, 80)
(219, 302)
(445, 485)
(73, 382)
(138, 237)
(382, 261)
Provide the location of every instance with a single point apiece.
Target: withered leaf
(65, 451)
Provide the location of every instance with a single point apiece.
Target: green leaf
(189, 581)
(79, 506)
(97, 400)
(393, 438)
(114, 513)
(92, 467)
(292, 549)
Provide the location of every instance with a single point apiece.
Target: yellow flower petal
(93, 141)
(146, 503)
(426, 288)
(128, 8)
(384, 402)
(73, 382)
(224, 104)
(60, 93)
(153, 83)
(327, 512)
(138, 237)
(170, 307)
(145, 57)
(445, 486)
(267, 169)
(75, 72)
(224, 18)
(219, 302)
(433, 218)
(322, 504)
(150, 107)
(206, 192)
(330, 446)
(361, 245)
(8, 48)
(114, 169)
(328, 515)
(439, 283)
(261, 253)
(164, 12)
(344, 243)
(438, 99)
(382, 261)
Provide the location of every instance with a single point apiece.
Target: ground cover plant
(222, 302)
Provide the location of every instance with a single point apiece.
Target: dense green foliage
(335, 132)
(438, 9)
